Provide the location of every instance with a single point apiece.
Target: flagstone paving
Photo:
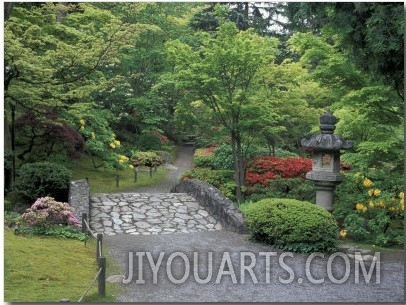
(146, 214)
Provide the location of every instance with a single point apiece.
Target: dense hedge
(44, 179)
(292, 225)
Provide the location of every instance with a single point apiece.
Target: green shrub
(292, 225)
(356, 227)
(148, 141)
(223, 158)
(223, 155)
(56, 232)
(221, 179)
(203, 161)
(215, 177)
(292, 188)
(17, 201)
(281, 153)
(44, 179)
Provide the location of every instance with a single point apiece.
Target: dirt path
(182, 163)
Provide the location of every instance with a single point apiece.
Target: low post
(135, 175)
(117, 180)
(102, 277)
(84, 219)
(99, 245)
(150, 172)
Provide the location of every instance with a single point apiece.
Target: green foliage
(356, 227)
(222, 157)
(222, 74)
(369, 109)
(221, 179)
(215, 177)
(293, 188)
(370, 33)
(8, 159)
(148, 141)
(44, 179)
(203, 161)
(11, 219)
(283, 153)
(56, 232)
(292, 225)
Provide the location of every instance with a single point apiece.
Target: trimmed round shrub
(292, 225)
(44, 179)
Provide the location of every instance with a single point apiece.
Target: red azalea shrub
(261, 170)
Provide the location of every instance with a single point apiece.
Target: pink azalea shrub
(47, 212)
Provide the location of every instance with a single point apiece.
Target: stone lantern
(326, 160)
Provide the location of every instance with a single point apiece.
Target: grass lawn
(41, 269)
(104, 180)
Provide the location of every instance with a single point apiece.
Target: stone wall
(219, 206)
(79, 196)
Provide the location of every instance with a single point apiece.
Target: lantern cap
(327, 122)
(327, 140)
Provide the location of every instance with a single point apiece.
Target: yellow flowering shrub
(367, 183)
(377, 192)
(372, 211)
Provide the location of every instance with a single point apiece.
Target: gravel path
(182, 164)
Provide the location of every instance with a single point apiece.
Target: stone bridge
(192, 206)
(134, 213)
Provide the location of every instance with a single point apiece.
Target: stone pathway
(146, 214)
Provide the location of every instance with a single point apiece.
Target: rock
(142, 224)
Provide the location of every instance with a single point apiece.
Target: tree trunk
(8, 172)
(239, 165)
(8, 138)
(8, 8)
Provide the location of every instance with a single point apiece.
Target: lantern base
(325, 194)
